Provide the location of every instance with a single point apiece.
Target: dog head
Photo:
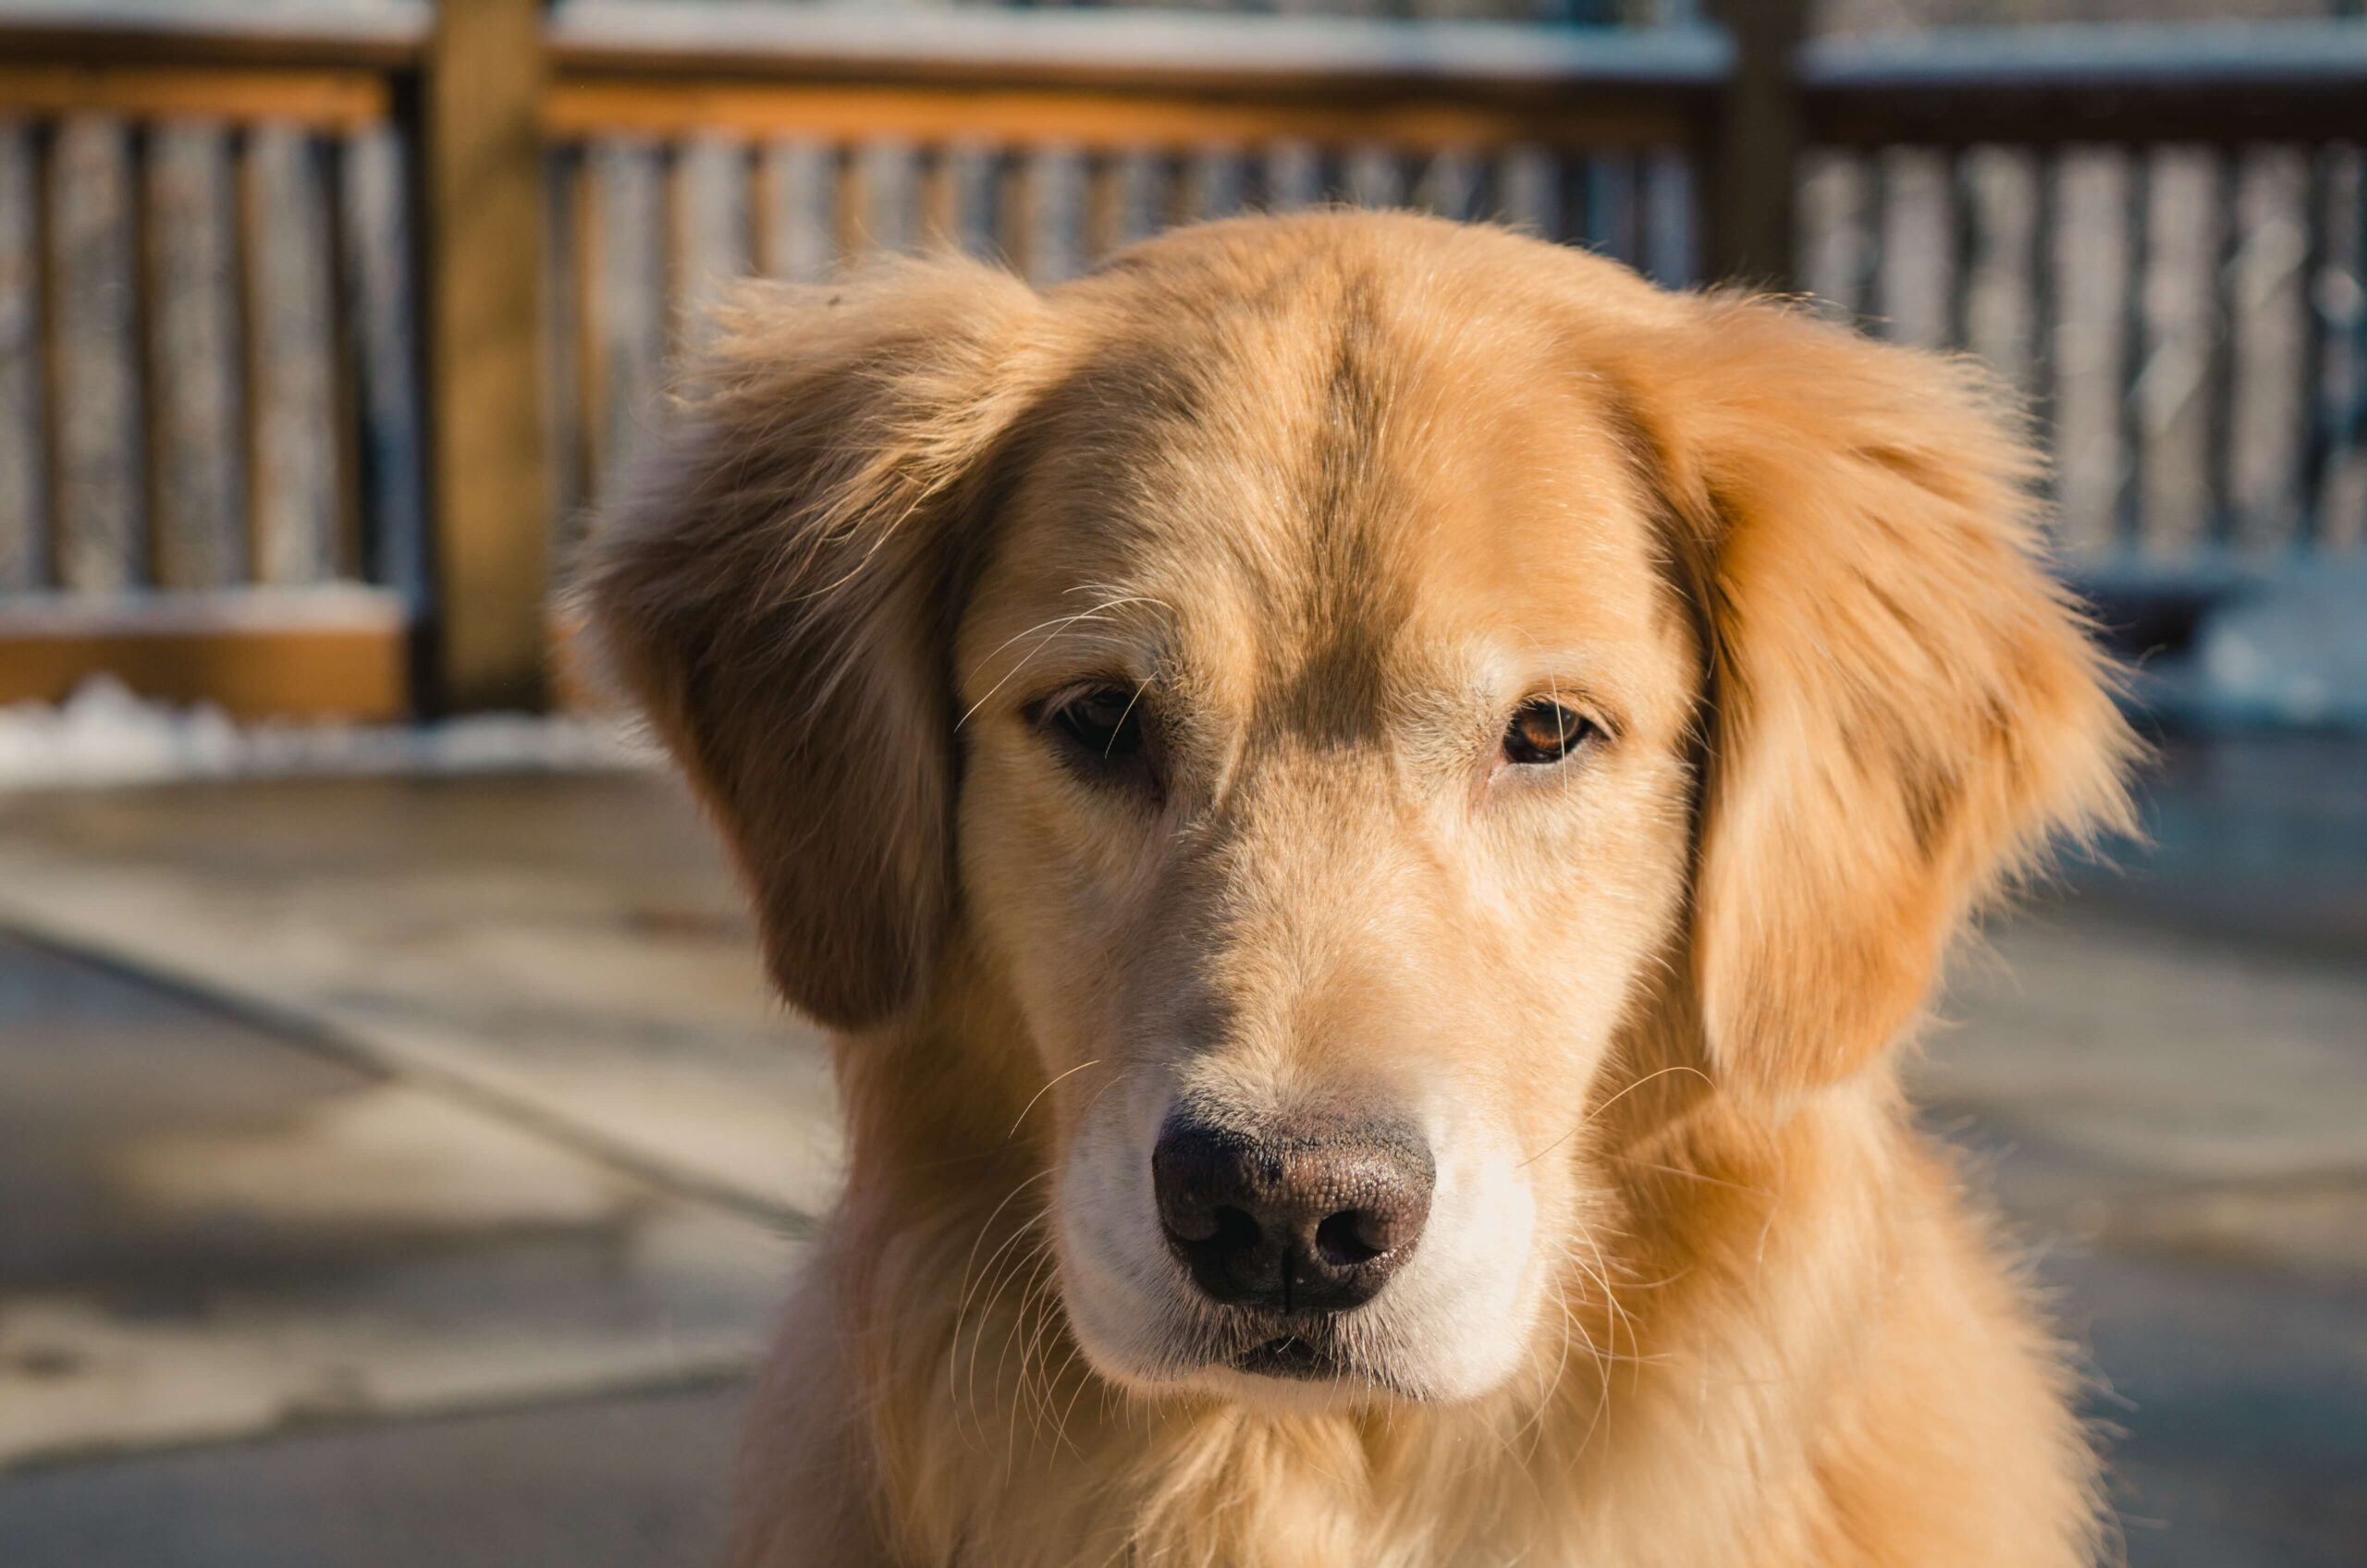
(1341, 677)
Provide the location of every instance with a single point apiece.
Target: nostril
(1345, 1239)
(1235, 1230)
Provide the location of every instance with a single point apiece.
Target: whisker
(1045, 1090)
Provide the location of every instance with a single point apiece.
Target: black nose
(1291, 1222)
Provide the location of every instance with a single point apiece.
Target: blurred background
(398, 1154)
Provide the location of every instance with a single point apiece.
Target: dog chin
(1277, 1365)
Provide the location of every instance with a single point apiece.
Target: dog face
(1324, 714)
(1343, 681)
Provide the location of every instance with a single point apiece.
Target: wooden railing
(308, 335)
(690, 149)
(210, 461)
(2160, 232)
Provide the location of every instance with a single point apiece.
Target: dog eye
(1101, 726)
(1543, 731)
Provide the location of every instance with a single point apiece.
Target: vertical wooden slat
(709, 229)
(1103, 209)
(292, 394)
(1449, 185)
(1529, 181)
(2355, 436)
(1576, 198)
(483, 250)
(801, 240)
(939, 229)
(1373, 175)
(2220, 321)
(49, 345)
(1056, 177)
(2317, 424)
(246, 251)
(97, 501)
(2045, 310)
(21, 521)
(197, 529)
(889, 219)
(1120, 200)
(1964, 247)
(351, 544)
(1016, 237)
(1616, 224)
(851, 207)
(1141, 211)
(2136, 227)
(971, 172)
(1668, 248)
(381, 216)
(762, 200)
(147, 273)
(632, 300)
(1869, 300)
(1214, 184)
(1293, 175)
(673, 267)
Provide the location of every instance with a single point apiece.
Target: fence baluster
(145, 278)
(1964, 246)
(2044, 389)
(1870, 298)
(246, 228)
(1575, 198)
(378, 183)
(2136, 227)
(96, 492)
(2355, 438)
(195, 525)
(1669, 244)
(22, 526)
(2219, 371)
(349, 542)
(2317, 438)
(1373, 179)
(1527, 179)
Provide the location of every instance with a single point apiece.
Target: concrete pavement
(402, 1171)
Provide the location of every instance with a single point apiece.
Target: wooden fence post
(1756, 145)
(489, 491)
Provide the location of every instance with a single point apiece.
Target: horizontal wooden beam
(379, 34)
(339, 653)
(1247, 55)
(581, 107)
(2195, 83)
(325, 100)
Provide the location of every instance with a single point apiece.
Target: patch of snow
(2293, 651)
(103, 734)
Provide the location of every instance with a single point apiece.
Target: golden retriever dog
(1368, 802)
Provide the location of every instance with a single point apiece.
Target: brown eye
(1543, 731)
(1099, 728)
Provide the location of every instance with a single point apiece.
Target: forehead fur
(1298, 458)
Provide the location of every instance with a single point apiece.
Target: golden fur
(1332, 493)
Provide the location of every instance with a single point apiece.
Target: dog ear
(1905, 707)
(774, 587)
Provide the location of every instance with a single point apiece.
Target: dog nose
(1291, 1223)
